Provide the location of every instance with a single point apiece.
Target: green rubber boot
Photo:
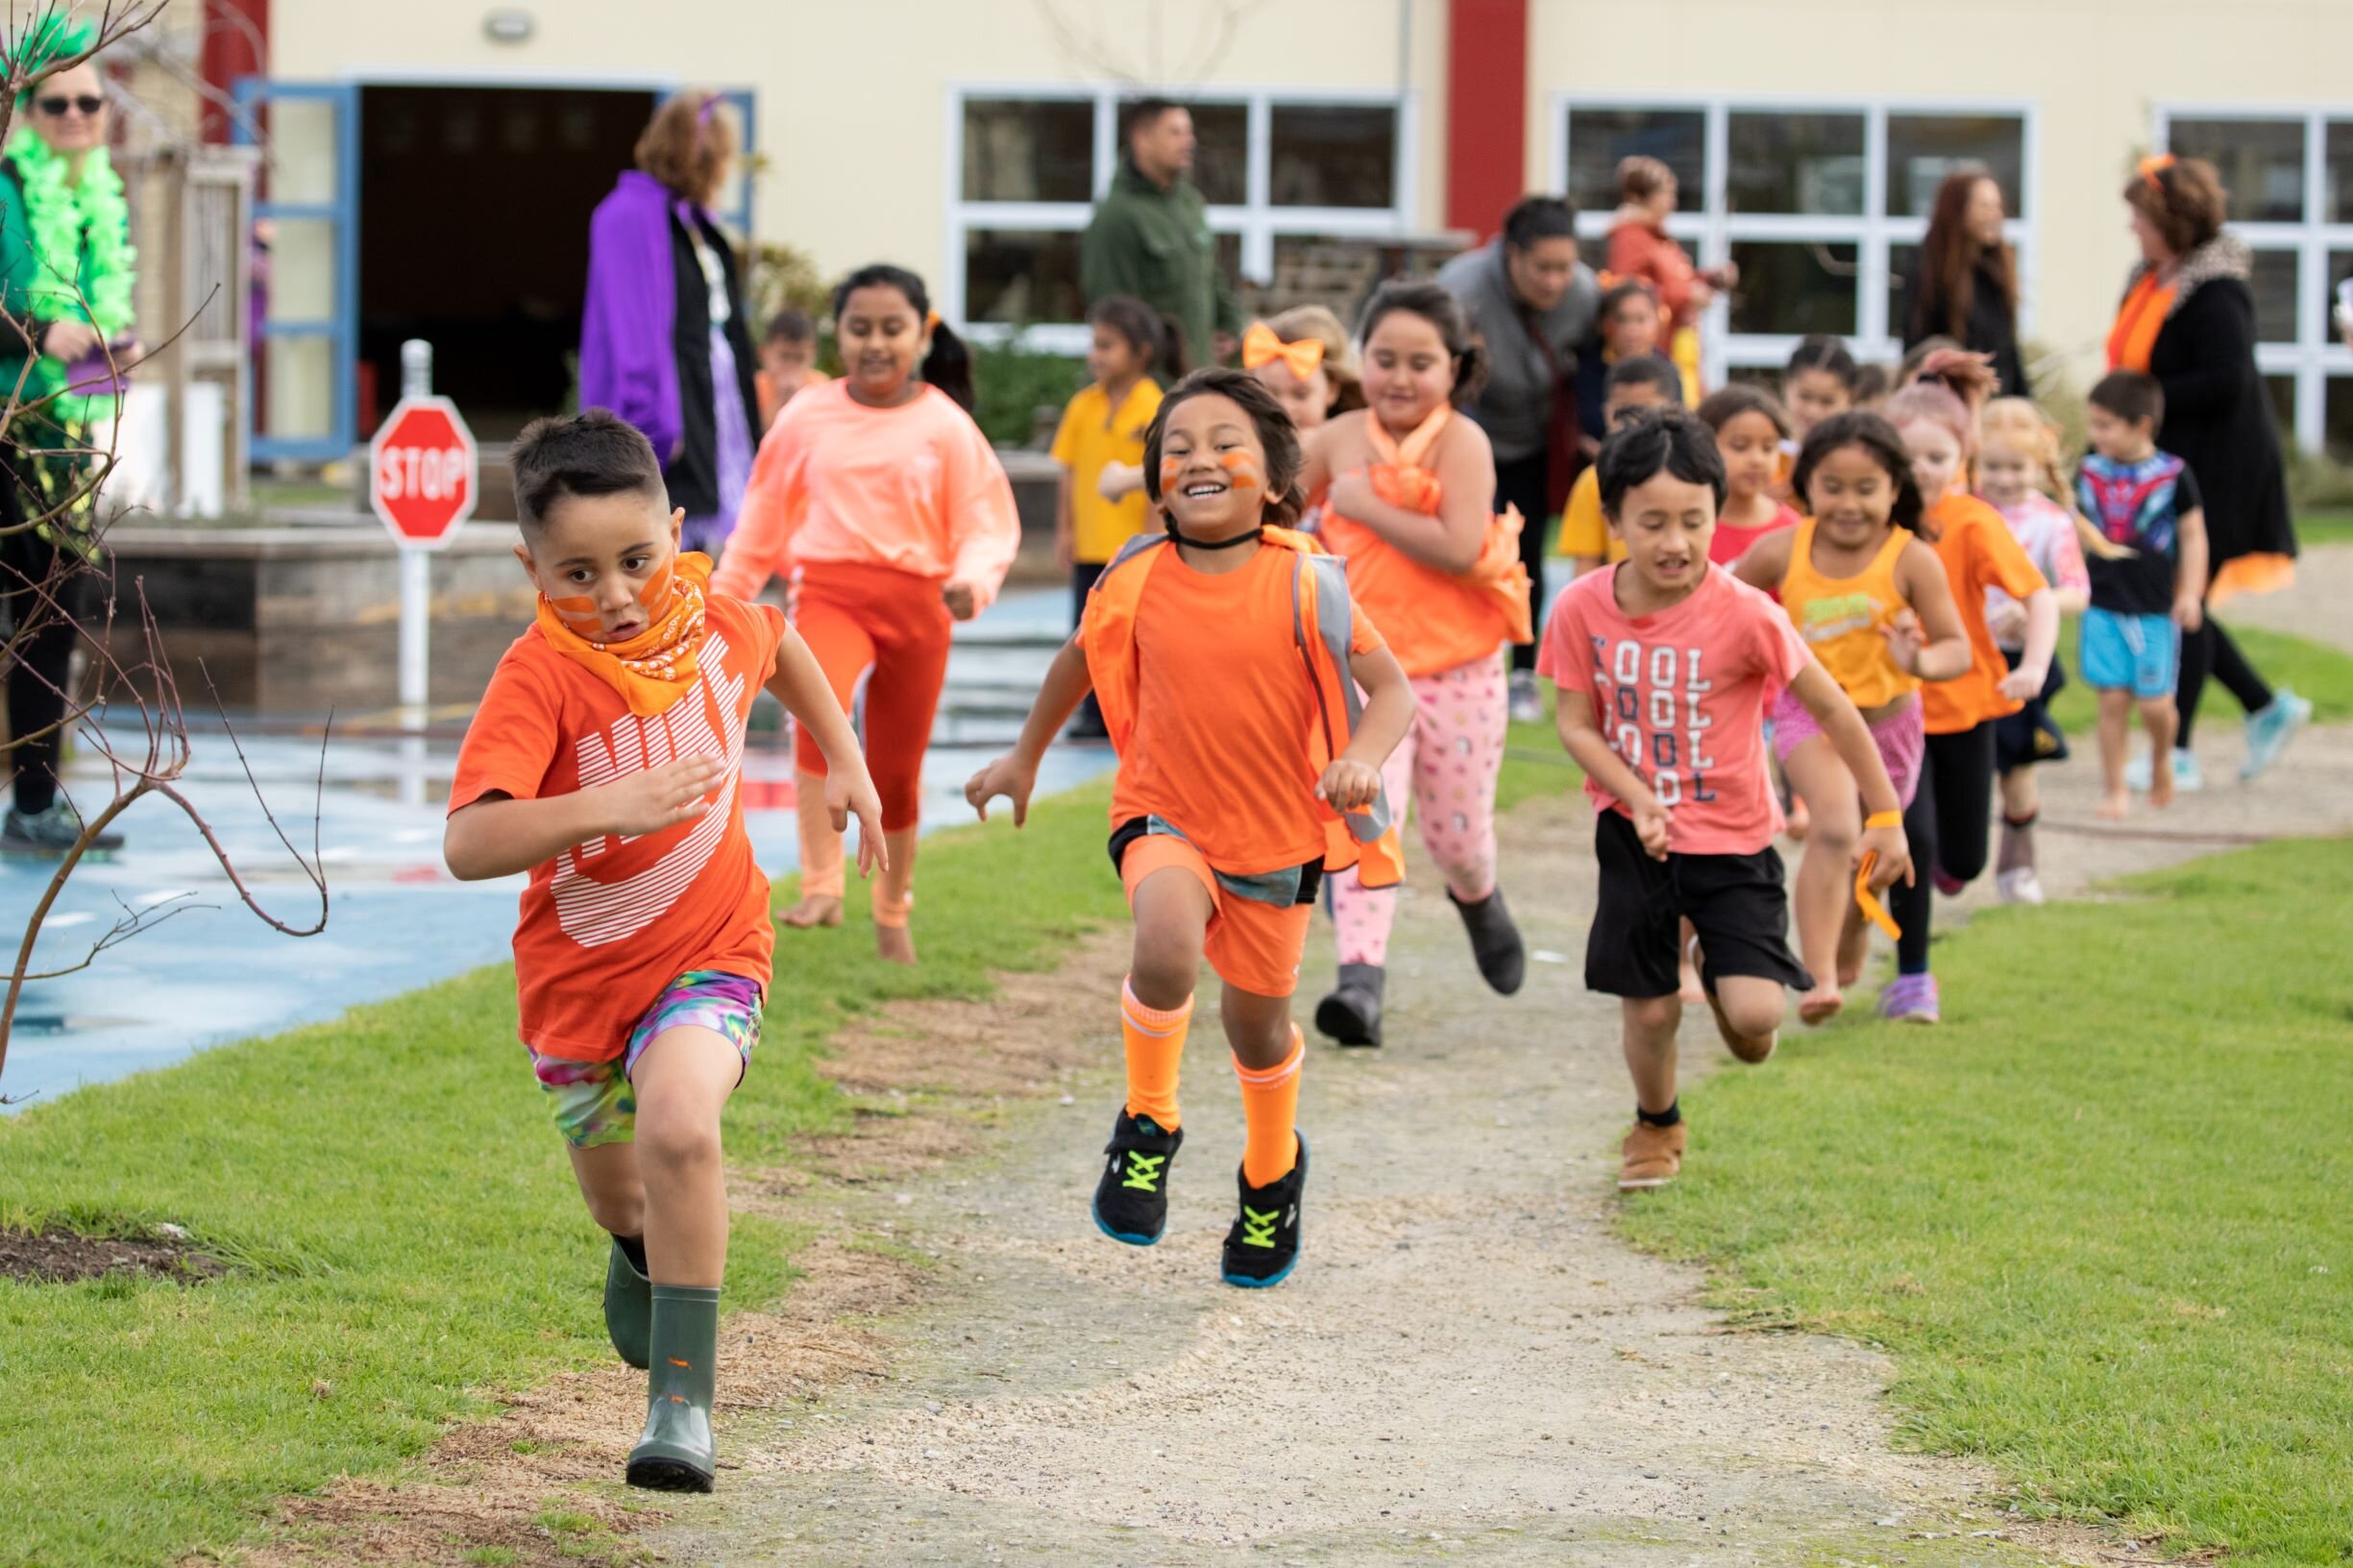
(629, 1308)
(675, 1453)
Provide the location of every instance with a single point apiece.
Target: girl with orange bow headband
(1411, 508)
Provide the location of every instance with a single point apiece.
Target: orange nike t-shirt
(1979, 551)
(607, 924)
(1226, 714)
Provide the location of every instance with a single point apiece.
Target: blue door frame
(340, 328)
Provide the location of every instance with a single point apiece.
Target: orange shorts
(1254, 946)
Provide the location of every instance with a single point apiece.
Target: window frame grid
(2318, 355)
(1257, 221)
(1711, 231)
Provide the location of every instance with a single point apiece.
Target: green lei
(84, 227)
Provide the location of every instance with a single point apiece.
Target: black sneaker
(1131, 1202)
(1263, 1245)
(1350, 1015)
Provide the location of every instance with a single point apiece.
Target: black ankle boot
(1352, 1014)
(1495, 942)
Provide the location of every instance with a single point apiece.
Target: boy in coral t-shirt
(605, 760)
(1665, 664)
(1228, 655)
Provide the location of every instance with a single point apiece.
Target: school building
(434, 161)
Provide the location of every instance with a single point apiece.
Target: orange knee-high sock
(1155, 1050)
(1270, 1107)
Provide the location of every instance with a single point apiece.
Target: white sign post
(424, 475)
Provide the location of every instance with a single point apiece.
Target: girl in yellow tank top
(1872, 602)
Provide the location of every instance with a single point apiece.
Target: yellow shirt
(1092, 435)
(1583, 530)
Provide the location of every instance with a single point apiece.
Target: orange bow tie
(1260, 346)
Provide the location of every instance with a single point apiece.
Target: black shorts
(2030, 735)
(1737, 904)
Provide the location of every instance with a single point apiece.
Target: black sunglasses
(88, 103)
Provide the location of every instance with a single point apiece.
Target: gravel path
(1468, 1364)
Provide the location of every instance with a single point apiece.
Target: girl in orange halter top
(1873, 601)
(1411, 508)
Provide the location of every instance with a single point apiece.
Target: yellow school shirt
(1092, 435)
(1583, 530)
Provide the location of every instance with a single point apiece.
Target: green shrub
(1019, 391)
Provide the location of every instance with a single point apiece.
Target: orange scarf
(1400, 479)
(653, 668)
(2138, 322)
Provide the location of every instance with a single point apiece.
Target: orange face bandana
(1261, 346)
(653, 668)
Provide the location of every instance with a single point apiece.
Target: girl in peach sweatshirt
(890, 504)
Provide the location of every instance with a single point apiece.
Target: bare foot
(2115, 805)
(1854, 947)
(2161, 785)
(1750, 1048)
(816, 910)
(894, 944)
(1820, 1005)
(1800, 819)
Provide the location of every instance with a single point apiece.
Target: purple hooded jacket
(626, 357)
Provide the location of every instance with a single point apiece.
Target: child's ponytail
(949, 366)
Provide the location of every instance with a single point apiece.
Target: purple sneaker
(1909, 999)
(1947, 884)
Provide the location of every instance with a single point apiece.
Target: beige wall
(852, 94)
(2095, 69)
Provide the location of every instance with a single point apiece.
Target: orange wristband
(1885, 819)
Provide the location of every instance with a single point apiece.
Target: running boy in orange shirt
(1227, 655)
(605, 761)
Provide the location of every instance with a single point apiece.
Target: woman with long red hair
(1965, 284)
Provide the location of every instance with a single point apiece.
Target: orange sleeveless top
(1434, 619)
(1840, 617)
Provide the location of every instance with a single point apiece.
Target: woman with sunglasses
(65, 290)
(2188, 319)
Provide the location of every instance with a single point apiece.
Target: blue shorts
(2138, 654)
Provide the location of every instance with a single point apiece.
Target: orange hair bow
(2153, 165)
(1261, 346)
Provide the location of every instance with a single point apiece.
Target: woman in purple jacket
(662, 339)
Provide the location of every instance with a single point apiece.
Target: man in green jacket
(1150, 235)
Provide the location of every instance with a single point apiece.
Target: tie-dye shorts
(595, 1102)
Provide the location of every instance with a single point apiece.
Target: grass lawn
(2323, 528)
(2317, 671)
(402, 1219)
(2099, 1216)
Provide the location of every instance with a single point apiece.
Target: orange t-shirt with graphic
(1979, 551)
(607, 924)
(1226, 714)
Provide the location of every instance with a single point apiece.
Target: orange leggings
(857, 618)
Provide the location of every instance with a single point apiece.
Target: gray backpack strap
(1135, 547)
(1335, 621)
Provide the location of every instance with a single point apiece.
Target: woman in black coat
(1965, 284)
(2189, 320)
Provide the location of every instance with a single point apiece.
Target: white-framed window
(1821, 203)
(2290, 175)
(1281, 167)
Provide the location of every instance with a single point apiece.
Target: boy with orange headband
(605, 760)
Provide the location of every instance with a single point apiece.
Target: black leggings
(1949, 824)
(38, 677)
(2209, 651)
(1521, 482)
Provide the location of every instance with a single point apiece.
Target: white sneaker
(2018, 885)
(1526, 703)
(2187, 780)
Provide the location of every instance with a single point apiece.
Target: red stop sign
(421, 472)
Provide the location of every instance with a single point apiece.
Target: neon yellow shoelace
(1258, 1229)
(1143, 1171)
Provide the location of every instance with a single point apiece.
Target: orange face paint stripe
(1244, 469)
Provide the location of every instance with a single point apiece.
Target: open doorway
(473, 207)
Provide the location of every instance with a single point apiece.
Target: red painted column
(1486, 111)
(236, 43)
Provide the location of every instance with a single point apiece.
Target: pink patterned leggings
(1445, 767)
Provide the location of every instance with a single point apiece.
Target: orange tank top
(1434, 619)
(1841, 618)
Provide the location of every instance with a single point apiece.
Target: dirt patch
(55, 1257)
(538, 1479)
